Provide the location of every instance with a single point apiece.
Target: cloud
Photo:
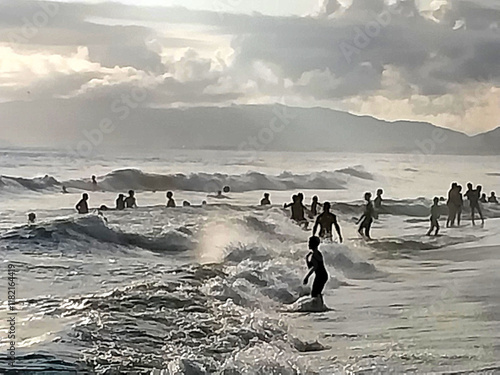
(403, 59)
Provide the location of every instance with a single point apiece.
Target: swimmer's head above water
(314, 242)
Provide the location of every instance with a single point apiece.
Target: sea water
(205, 289)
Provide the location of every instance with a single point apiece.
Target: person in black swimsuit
(316, 265)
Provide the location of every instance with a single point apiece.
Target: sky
(425, 60)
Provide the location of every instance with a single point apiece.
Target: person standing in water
(120, 202)
(298, 209)
(130, 201)
(434, 217)
(94, 183)
(452, 205)
(326, 220)
(265, 201)
(366, 219)
(378, 202)
(378, 199)
(82, 206)
(314, 206)
(316, 265)
(171, 201)
(473, 197)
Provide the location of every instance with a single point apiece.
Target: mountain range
(247, 127)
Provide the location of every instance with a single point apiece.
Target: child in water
(434, 217)
(316, 265)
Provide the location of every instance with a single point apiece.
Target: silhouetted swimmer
(94, 183)
(452, 204)
(378, 203)
(470, 192)
(314, 206)
(120, 202)
(483, 198)
(82, 207)
(366, 219)
(64, 190)
(103, 208)
(493, 198)
(473, 196)
(325, 221)
(171, 201)
(265, 201)
(130, 201)
(204, 203)
(186, 204)
(298, 210)
(378, 199)
(434, 217)
(31, 218)
(316, 265)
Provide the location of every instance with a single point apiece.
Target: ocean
(205, 289)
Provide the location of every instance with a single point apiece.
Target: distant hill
(488, 142)
(267, 127)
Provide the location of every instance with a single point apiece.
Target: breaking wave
(125, 179)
